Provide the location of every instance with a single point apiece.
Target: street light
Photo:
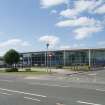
(47, 45)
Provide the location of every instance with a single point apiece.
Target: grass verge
(22, 72)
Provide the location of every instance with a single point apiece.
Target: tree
(11, 57)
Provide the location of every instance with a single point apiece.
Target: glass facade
(76, 58)
(98, 57)
(65, 58)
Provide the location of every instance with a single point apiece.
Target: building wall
(65, 58)
(76, 58)
(98, 57)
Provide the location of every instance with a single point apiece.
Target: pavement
(56, 74)
(63, 71)
(88, 89)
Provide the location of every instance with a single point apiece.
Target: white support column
(89, 57)
(45, 59)
(50, 62)
(28, 60)
(47, 45)
(31, 60)
(64, 58)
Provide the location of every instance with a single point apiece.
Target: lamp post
(47, 45)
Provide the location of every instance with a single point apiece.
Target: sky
(27, 25)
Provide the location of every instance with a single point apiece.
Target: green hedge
(11, 70)
(59, 67)
(28, 69)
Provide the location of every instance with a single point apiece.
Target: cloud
(25, 44)
(2, 33)
(79, 45)
(76, 16)
(53, 11)
(100, 10)
(84, 32)
(65, 23)
(87, 5)
(69, 13)
(52, 40)
(101, 43)
(16, 44)
(84, 27)
(75, 45)
(80, 6)
(50, 3)
(82, 21)
(65, 47)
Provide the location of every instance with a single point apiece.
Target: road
(15, 90)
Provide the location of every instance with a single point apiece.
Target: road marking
(92, 74)
(87, 103)
(14, 91)
(32, 99)
(59, 104)
(5, 93)
(6, 80)
(54, 85)
(100, 90)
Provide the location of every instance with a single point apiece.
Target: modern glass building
(91, 57)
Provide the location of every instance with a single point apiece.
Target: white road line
(59, 104)
(87, 103)
(32, 99)
(14, 91)
(3, 80)
(54, 85)
(100, 90)
(92, 74)
(5, 93)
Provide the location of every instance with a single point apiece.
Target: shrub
(11, 70)
(59, 67)
(28, 69)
